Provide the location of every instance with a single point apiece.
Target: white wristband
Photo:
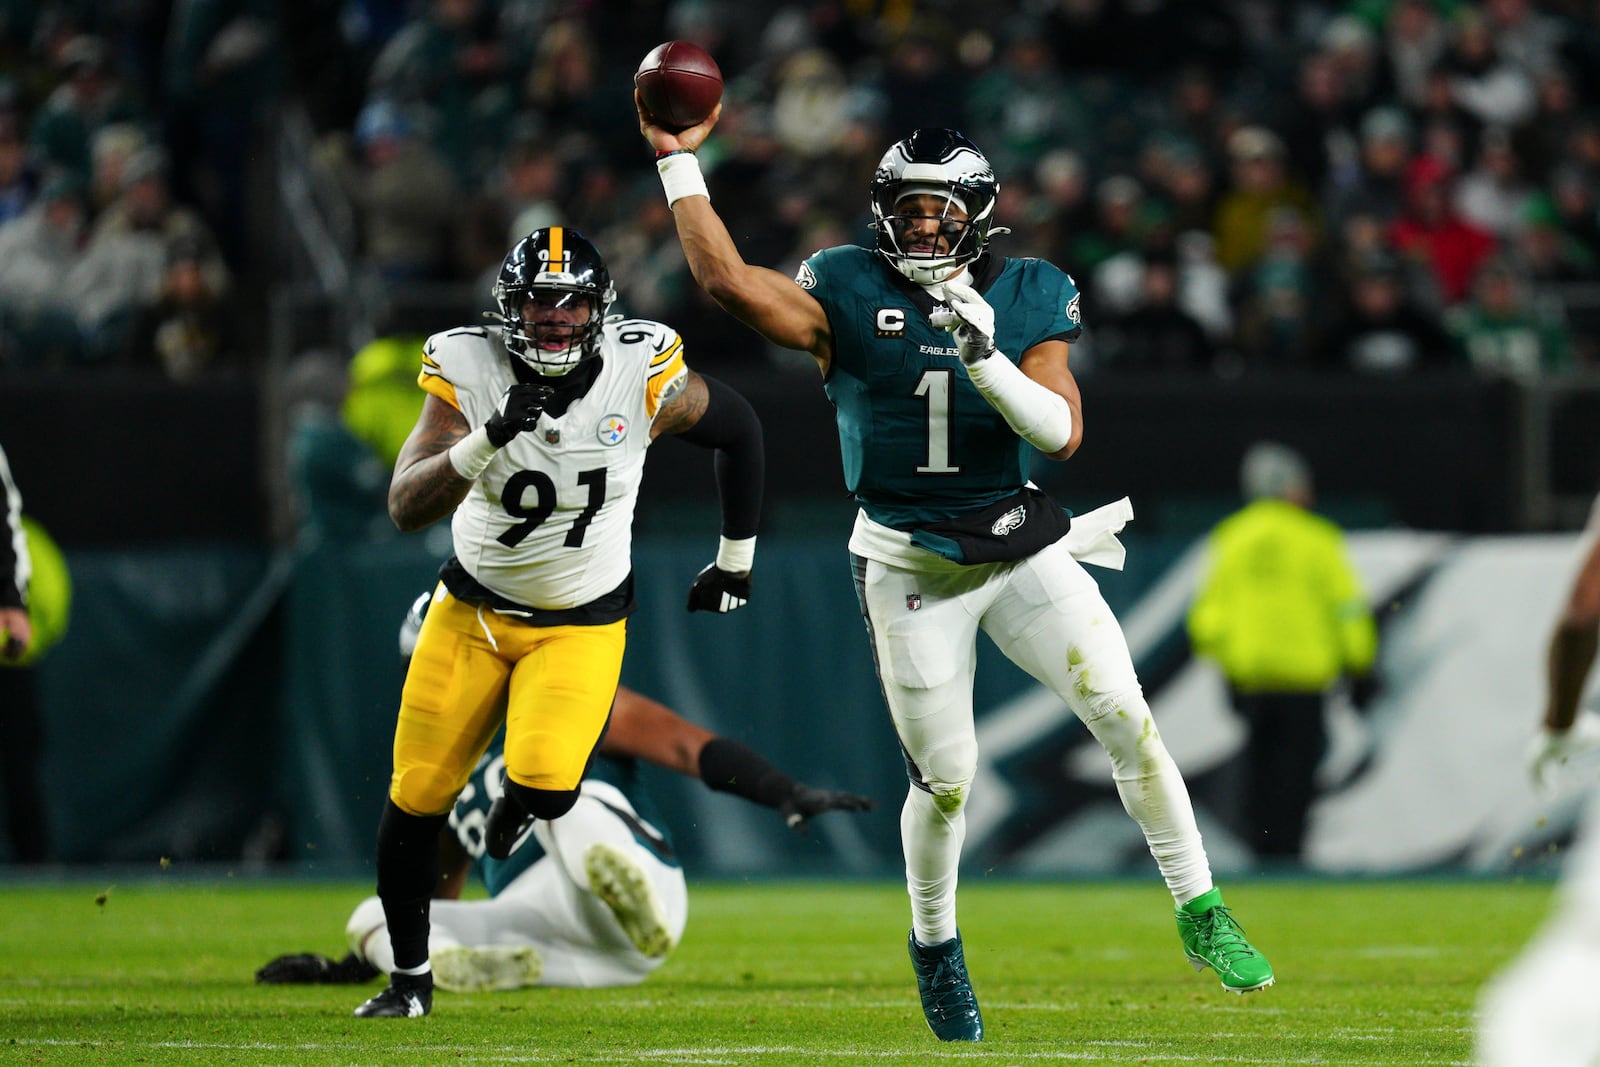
(472, 454)
(1040, 416)
(681, 177)
(736, 557)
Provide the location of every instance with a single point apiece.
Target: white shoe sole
(461, 969)
(1201, 965)
(624, 888)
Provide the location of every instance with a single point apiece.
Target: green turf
(775, 973)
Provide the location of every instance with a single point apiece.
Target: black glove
(308, 968)
(519, 410)
(804, 802)
(714, 589)
(1363, 691)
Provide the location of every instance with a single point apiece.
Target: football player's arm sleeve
(730, 427)
(1038, 413)
(731, 767)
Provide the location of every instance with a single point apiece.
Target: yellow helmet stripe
(556, 256)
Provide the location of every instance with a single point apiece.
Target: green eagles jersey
(918, 441)
(471, 811)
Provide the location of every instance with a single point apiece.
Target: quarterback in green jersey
(947, 366)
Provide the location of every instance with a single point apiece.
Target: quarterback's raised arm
(767, 301)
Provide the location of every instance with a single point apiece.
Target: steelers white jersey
(549, 523)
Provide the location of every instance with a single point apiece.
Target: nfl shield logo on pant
(913, 601)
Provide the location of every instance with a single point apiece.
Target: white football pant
(1541, 1009)
(1048, 617)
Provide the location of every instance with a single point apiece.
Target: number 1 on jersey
(935, 386)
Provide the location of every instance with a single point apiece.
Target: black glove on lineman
(519, 410)
(715, 589)
(804, 802)
(308, 968)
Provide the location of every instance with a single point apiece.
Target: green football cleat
(947, 1000)
(1211, 938)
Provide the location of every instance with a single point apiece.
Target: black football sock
(408, 869)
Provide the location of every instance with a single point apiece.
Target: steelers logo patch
(613, 429)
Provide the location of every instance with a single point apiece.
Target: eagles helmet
(553, 270)
(945, 163)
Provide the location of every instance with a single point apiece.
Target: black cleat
(505, 826)
(405, 998)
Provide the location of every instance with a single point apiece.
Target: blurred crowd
(1372, 187)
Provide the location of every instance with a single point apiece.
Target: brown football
(680, 83)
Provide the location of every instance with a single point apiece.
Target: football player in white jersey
(1541, 1011)
(533, 435)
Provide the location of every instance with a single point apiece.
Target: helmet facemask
(551, 329)
(942, 164)
(553, 292)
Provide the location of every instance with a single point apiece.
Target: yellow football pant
(558, 683)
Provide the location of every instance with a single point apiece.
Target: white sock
(1153, 792)
(932, 842)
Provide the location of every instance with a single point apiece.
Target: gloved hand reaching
(715, 589)
(517, 412)
(803, 802)
(969, 318)
(308, 968)
(1548, 751)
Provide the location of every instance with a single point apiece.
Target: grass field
(775, 973)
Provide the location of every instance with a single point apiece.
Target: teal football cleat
(1211, 938)
(947, 999)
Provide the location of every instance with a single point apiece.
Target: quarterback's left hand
(1547, 752)
(804, 802)
(715, 589)
(969, 318)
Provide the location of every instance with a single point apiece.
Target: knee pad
(948, 770)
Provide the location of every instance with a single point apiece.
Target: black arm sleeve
(730, 426)
(13, 548)
(730, 767)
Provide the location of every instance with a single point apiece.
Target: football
(680, 83)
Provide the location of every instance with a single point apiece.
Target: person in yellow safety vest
(383, 402)
(1281, 611)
